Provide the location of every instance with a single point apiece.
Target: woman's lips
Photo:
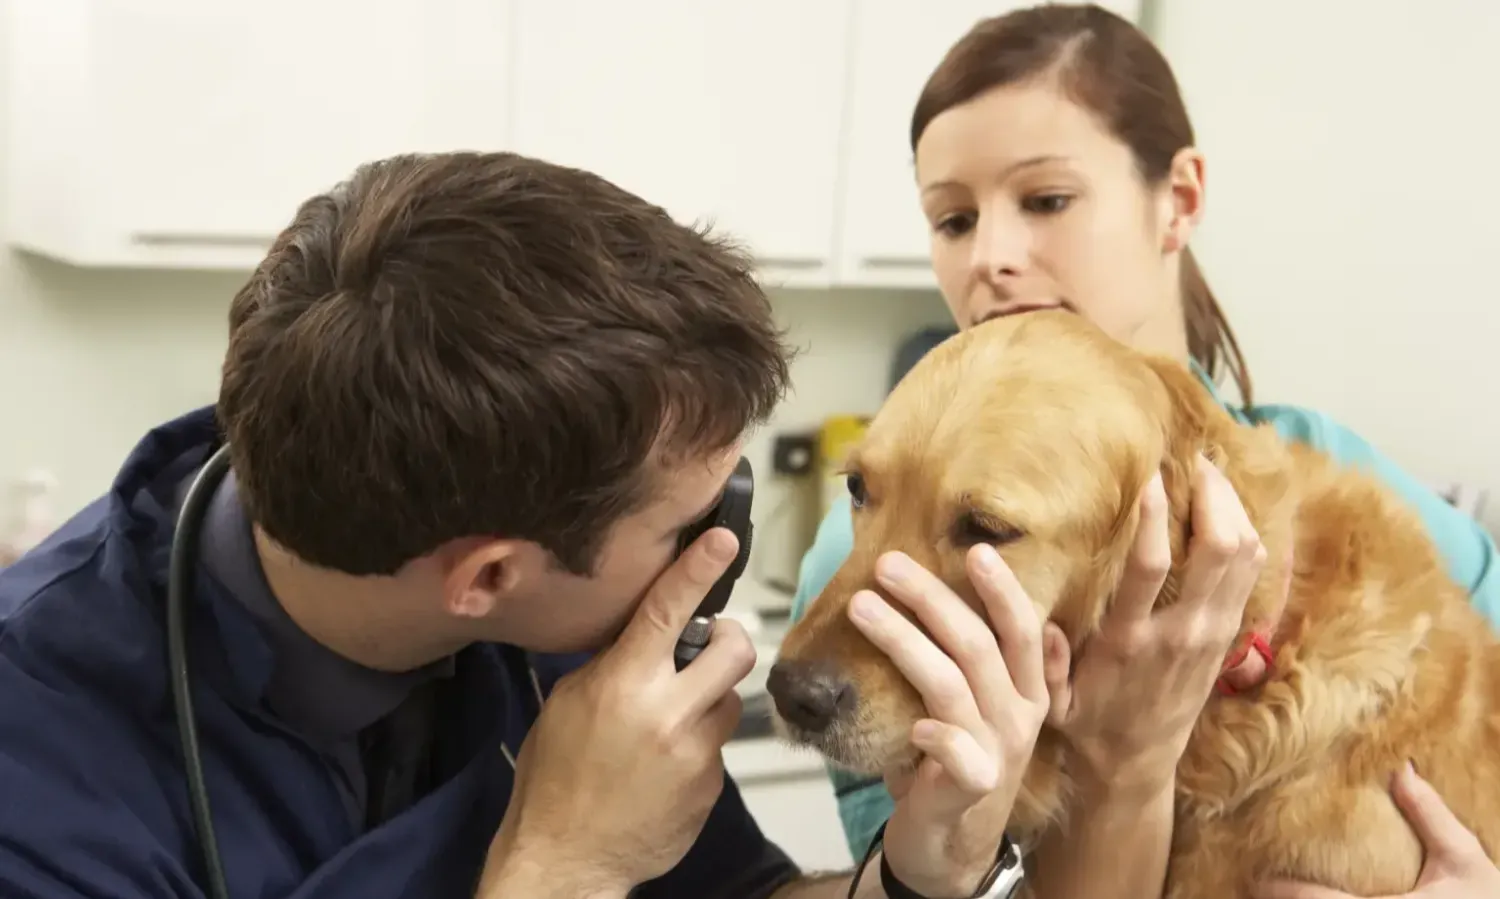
(1021, 308)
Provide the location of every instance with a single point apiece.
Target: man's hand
(987, 699)
(620, 771)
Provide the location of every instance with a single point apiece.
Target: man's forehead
(693, 486)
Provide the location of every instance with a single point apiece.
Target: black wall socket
(794, 454)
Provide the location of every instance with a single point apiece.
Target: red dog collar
(1242, 670)
(1250, 663)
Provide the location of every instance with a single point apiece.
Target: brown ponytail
(1211, 342)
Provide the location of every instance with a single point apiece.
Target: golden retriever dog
(1037, 433)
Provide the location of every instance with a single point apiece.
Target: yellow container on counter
(836, 438)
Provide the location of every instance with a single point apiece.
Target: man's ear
(481, 573)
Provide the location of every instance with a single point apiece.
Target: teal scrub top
(1468, 547)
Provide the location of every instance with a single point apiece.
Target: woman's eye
(1047, 204)
(955, 225)
(856, 485)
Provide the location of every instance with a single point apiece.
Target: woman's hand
(1456, 867)
(1141, 682)
(981, 681)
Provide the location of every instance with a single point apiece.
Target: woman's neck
(1165, 332)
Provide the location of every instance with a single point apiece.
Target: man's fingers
(724, 662)
(1150, 558)
(671, 601)
(724, 716)
(1444, 837)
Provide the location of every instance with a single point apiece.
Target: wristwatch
(1002, 881)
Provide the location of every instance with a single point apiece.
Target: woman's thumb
(1057, 663)
(1445, 838)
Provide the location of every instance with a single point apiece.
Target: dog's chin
(853, 749)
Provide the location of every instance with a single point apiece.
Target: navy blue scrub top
(93, 796)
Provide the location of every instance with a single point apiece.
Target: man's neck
(371, 621)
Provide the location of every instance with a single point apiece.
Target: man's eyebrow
(709, 507)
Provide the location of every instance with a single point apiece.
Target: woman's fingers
(1137, 686)
(958, 630)
(898, 781)
(942, 684)
(1224, 559)
(1281, 889)
(1150, 560)
(1216, 533)
(1057, 664)
(1018, 628)
(1455, 861)
(972, 769)
(1445, 838)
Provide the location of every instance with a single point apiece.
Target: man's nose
(809, 695)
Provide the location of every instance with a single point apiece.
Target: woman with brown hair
(1056, 167)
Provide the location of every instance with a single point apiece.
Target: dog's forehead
(986, 401)
(1007, 402)
(949, 384)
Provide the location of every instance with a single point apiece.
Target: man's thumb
(674, 597)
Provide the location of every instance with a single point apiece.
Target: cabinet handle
(262, 242)
(788, 263)
(895, 262)
(222, 241)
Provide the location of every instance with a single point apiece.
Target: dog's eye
(973, 530)
(856, 485)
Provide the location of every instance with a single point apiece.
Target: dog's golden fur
(1042, 424)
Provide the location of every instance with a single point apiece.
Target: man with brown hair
(471, 404)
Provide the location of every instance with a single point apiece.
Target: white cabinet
(184, 133)
(724, 112)
(897, 44)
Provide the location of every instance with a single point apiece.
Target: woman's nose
(1002, 246)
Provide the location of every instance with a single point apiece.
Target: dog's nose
(809, 695)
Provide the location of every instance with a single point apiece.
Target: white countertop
(768, 758)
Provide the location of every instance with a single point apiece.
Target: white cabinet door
(201, 126)
(897, 44)
(721, 112)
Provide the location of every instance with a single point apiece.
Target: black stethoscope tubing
(181, 572)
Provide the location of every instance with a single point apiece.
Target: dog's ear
(1185, 416)
(1187, 413)
(1171, 396)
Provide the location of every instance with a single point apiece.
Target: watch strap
(1001, 882)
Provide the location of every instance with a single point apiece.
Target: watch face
(1008, 884)
(1012, 873)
